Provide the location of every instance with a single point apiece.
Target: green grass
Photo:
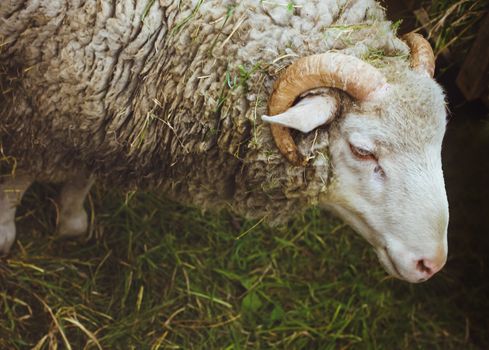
(156, 275)
(454, 25)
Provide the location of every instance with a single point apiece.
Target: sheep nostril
(421, 265)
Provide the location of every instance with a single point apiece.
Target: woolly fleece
(168, 93)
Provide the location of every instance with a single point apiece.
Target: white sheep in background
(168, 95)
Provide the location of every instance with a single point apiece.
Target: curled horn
(422, 57)
(350, 74)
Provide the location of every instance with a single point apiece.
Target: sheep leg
(11, 191)
(73, 219)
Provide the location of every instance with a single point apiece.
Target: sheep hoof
(73, 224)
(7, 237)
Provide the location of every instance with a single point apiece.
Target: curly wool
(167, 94)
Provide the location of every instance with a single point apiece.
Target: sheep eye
(361, 153)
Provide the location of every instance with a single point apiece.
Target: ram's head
(385, 150)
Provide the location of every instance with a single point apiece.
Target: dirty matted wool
(168, 93)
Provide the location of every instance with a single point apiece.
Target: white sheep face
(387, 175)
(388, 182)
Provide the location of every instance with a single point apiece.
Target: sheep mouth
(388, 263)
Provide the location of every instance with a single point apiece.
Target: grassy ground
(155, 275)
(453, 25)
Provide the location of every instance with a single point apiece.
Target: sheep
(197, 100)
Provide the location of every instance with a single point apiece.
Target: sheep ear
(308, 114)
